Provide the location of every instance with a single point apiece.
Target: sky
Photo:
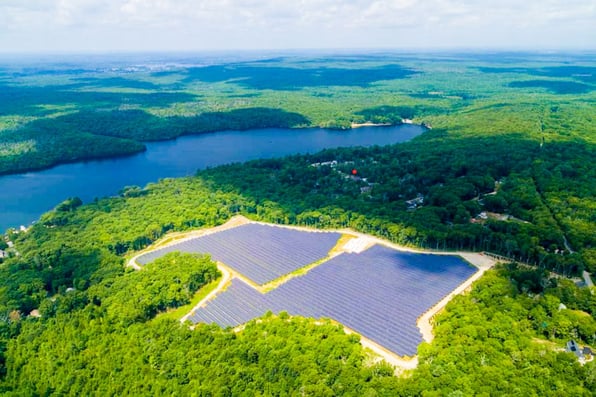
(195, 25)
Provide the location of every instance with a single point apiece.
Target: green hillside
(506, 167)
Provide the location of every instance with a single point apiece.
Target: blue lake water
(24, 197)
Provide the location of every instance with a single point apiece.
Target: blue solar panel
(260, 252)
(380, 293)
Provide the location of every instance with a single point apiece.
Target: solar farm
(260, 252)
(379, 293)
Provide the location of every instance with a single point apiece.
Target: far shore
(370, 124)
(128, 152)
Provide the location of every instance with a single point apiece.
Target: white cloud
(196, 24)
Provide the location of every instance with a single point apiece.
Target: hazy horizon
(134, 26)
(346, 51)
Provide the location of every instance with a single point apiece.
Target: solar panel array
(379, 293)
(260, 252)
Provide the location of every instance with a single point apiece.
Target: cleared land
(384, 293)
(379, 293)
(262, 253)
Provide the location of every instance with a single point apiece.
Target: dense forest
(507, 167)
(109, 340)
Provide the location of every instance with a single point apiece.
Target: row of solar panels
(259, 252)
(378, 293)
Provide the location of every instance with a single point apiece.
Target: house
(415, 202)
(35, 313)
(331, 164)
(573, 347)
(588, 280)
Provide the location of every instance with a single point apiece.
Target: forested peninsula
(506, 168)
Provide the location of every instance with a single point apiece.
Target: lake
(24, 197)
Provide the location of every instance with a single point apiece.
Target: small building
(415, 202)
(331, 164)
(573, 347)
(3, 254)
(588, 280)
(35, 313)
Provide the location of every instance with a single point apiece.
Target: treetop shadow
(557, 87)
(586, 74)
(27, 100)
(117, 82)
(289, 78)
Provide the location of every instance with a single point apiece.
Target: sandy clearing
(357, 245)
(399, 363)
(370, 124)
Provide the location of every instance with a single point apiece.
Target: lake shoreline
(25, 196)
(100, 157)
(371, 124)
(77, 161)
